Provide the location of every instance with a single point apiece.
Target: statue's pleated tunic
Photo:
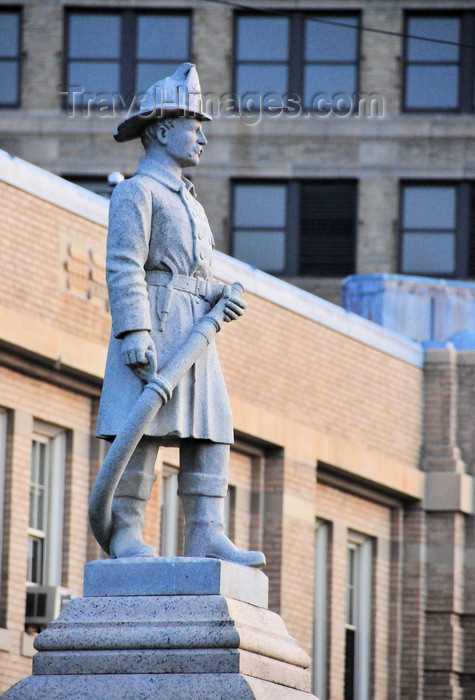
(156, 226)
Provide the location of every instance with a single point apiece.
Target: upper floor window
(45, 532)
(321, 69)
(10, 57)
(438, 229)
(439, 66)
(297, 227)
(122, 52)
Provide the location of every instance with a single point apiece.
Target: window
(437, 229)
(271, 58)
(123, 52)
(439, 76)
(10, 47)
(321, 610)
(298, 227)
(45, 532)
(358, 618)
(230, 512)
(3, 456)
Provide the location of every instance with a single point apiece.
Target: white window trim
(169, 522)
(56, 439)
(320, 636)
(364, 560)
(3, 460)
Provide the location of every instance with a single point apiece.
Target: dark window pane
(428, 253)
(263, 249)
(94, 36)
(328, 42)
(163, 37)
(8, 82)
(260, 206)
(262, 39)
(350, 658)
(432, 86)
(329, 80)
(327, 228)
(260, 80)
(429, 207)
(9, 22)
(35, 560)
(95, 77)
(443, 28)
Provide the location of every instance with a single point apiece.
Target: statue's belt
(199, 286)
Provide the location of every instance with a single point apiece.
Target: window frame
(466, 73)
(169, 512)
(3, 467)
(296, 50)
(55, 439)
(127, 59)
(464, 191)
(322, 613)
(363, 545)
(293, 221)
(18, 9)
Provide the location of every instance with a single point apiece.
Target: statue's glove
(138, 352)
(234, 307)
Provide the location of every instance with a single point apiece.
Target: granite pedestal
(174, 629)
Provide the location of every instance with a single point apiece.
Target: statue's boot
(202, 486)
(128, 523)
(205, 532)
(130, 499)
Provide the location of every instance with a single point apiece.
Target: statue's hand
(234, 307)
(138, 352)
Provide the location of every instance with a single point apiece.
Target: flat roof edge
(52, 188)
(312, 307)
(66, 195)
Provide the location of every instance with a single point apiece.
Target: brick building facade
(401, 144)
(352, 467)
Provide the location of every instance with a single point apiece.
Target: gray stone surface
(152, 687)
(173, 661)
(189, 642)
(175, 576)
(169, 622)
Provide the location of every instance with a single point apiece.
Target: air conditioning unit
(44, 603)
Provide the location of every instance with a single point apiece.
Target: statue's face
(184, 142)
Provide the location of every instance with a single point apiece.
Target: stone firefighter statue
(160, 282)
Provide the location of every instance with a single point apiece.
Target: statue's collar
(162, 175)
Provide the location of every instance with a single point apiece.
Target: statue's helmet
(176, 96)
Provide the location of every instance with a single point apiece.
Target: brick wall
(27, 399)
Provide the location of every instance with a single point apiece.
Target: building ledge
(77, 200)
(5, 640)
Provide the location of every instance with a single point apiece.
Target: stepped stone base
(172, 629)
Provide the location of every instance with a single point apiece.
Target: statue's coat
(153, 217)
